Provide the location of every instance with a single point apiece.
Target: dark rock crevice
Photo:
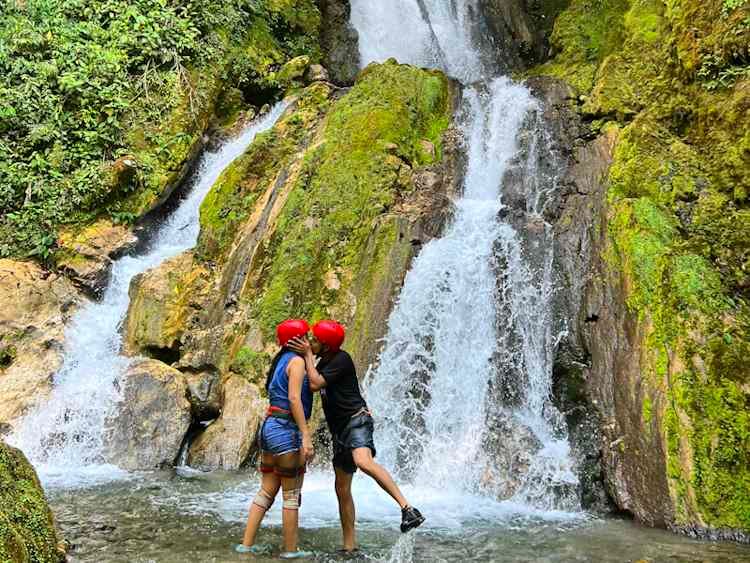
(338, 41)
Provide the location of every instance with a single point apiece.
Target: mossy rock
(27, 529)
(673, 77)
(349, 179)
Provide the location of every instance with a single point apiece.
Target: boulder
(34, 306)
(317, 73)
(87, 256)
(229, 441)
(160, 303)
(339, 41)
(153, 418)
(293, 72)
(204, 394)
(27, 529)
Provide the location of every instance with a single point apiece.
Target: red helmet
(329, 333)
(291, 328)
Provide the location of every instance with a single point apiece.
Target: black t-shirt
(341, 396)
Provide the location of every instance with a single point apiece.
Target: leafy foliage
(83, 82)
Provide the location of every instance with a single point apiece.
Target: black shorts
(356, 434)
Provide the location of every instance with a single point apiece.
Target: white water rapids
(64, 437)
(473, 306)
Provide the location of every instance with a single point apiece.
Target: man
(350, 423)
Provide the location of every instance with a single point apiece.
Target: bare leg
(269, 483)
(289, 463)
(364, 460)
(346, 507)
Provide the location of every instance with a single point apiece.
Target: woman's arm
(296, 372)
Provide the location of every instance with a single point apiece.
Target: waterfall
(64, 436)
(472, 325)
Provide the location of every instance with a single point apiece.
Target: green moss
(347, 182)
(238, 188)
(583, 36)
(27, 531)
(672, 76)
(697, 286)
(250, 364)
(109, 79)
(647, 411)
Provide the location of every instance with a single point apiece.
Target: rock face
(319, 218)
(27, 529)
(86, 257)
(36, 304)
(653, 260)
(228, 442)
(338, 40)
(159, 306)
(153, 418)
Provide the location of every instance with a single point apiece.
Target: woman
(285, 442)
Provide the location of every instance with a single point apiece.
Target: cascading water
(64, 437)
(473, 307)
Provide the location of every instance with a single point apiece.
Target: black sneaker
(410, 518)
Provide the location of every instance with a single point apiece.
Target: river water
(494, 478)
(188, 516)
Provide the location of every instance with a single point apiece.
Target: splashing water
(64, 437)
(429, 33)
(476, 304)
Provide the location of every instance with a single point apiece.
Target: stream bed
(184, 516)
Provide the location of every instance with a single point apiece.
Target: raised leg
(363, 460)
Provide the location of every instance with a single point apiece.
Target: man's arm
(302, 346)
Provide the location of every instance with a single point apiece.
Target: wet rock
(86, 256)
(205, 394)
(575, 210)
(512, 447)
(339, 41)
(35, 305)
(153, 417)
(317, 73)
(228, 442)
(27, 528)
(161, 301)
(520, 29)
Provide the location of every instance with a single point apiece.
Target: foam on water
(64, 436)
(449, 510)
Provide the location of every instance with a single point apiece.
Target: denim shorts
(356, 434)
(280, 436)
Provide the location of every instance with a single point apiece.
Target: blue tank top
(278, 390)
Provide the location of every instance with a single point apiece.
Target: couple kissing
(286, 443)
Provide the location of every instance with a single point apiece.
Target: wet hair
(274, 363)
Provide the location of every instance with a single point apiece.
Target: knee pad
(292, 499)
(263, 499)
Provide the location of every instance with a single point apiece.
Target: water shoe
(257, 548)
(410, 518)
(295, 554)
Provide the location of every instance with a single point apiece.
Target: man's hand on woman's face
(301, 346)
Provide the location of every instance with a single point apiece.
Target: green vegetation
(353, 176)
(86, 83)
(674, 77)
(27, 531)
(311, 210)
